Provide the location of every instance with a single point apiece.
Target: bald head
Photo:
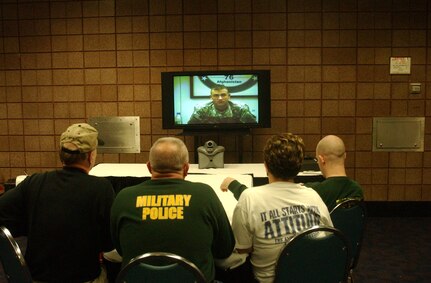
(331, 146)
(330, 154)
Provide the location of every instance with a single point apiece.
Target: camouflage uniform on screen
(235, 113)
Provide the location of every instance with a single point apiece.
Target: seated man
(267, 216)
(64, 213)
(221, 110)
(170, 214)
(330, 154)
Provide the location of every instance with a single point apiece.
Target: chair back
(160, 267)
(318, 254)
(349, 217)
(12, 259)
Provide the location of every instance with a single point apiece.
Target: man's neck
(272, 179)
(335, 171)
(167, 175)
(81, 167)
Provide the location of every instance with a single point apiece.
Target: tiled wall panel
(62, 62)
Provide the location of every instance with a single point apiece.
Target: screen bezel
(263, 97)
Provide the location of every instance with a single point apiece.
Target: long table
(256, 170)
(124, 175)
(141, 170)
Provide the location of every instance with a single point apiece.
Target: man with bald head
(170, 214)
(330, 155)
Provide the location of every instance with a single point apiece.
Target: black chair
(160, 267)
(349, 217)
(12, 259)
(318, 254)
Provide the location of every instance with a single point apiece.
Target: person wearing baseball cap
(78, 146)
(64, 213)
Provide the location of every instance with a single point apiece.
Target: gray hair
(168, 154)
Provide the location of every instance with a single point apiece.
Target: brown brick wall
(65, 61)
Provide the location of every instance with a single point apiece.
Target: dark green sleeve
(236, 188)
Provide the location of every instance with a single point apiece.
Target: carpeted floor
(395, 249)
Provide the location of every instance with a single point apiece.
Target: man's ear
(321, 159)
(149, 167)
(92, 157)
(186, 169)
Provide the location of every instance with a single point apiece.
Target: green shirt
(172, 215)
(335, 189)
(235, 113)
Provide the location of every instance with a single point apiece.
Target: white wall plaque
(400, 65)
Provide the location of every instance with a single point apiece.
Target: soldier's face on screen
(220, 98)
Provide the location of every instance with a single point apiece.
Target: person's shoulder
(356, 188)
(98, 185)
(312, 185)
(354, 182)
(307, 188)
(309, 191)
(203, 106)
(235, 104)
(330, 181)
(340, 180)
(99, 180)
(254, 192)
(37, 177)
(239, 106)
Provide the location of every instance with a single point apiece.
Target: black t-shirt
(65, 215)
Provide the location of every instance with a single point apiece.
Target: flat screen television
(216, 100)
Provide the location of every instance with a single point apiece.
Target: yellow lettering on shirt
(187, 199)
(163, 213)
(163, 207)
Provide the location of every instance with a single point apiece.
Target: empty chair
(318, 254)
(12, 259)
(349, 217)
(160, 267)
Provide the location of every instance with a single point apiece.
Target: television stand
(198, 134)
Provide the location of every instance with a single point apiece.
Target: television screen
(216, 100)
